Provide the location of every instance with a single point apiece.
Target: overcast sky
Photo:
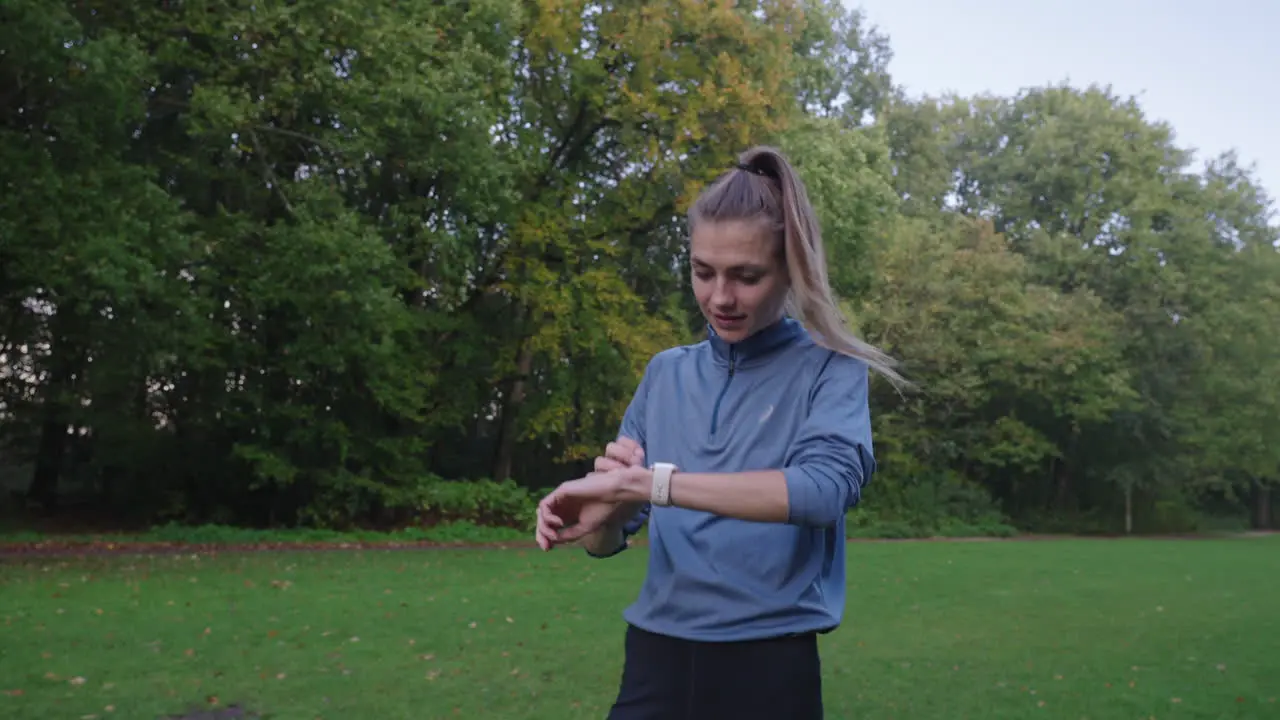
(1214, 75)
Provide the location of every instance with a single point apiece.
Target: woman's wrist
(605, 540)
(636, 485)
(612, 534)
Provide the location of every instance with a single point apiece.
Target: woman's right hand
(623, 452)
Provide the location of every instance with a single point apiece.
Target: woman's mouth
(729, 321)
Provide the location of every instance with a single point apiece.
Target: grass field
(1047, 629)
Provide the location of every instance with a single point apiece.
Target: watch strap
(660, 494)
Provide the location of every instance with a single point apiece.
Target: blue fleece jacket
(775, 401)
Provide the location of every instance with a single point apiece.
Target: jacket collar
(782, 333)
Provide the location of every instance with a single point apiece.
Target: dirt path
(55, 548)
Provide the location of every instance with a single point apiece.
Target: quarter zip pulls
(753, 350)
(715, 413)
(757, 347)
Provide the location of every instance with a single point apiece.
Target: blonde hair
(765, 187)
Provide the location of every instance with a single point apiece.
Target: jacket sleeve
(831, 458)
(633, 426)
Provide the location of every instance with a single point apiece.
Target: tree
(1010, 372)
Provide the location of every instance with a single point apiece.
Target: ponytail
(765, 186)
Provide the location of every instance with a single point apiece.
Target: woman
(743, 452)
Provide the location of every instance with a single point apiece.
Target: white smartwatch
(660, 494)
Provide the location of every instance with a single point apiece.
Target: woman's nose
(722, 295)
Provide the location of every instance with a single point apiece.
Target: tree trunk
(55, 415)
(49, 457)
(1128, 509)
(511, 401)
(1261, 506)
(1063, 492)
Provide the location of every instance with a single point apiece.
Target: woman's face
(739, 279)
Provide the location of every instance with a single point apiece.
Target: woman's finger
(546, 530)
(622, 450)
(607, 464)
(547, 514)
(540, 533)
(568, 535)
(625, 451)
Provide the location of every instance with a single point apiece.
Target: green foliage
(846, 173)
(935, 505)
(1136, 256)
(482, 502)
(291, 264)
(230, 536)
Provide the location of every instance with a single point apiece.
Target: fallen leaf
(13, 693)
(77, 680)
(1176, 700)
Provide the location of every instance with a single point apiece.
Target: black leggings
(665, 678)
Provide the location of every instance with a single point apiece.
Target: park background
(303, 304)
(399, 265)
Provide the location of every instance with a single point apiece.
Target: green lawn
(1052, 629)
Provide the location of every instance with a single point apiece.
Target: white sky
(1213, 74)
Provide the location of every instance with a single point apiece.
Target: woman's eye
(704, 275)
(750, 279)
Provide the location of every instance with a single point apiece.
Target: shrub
(481, 502)
(933, 505)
